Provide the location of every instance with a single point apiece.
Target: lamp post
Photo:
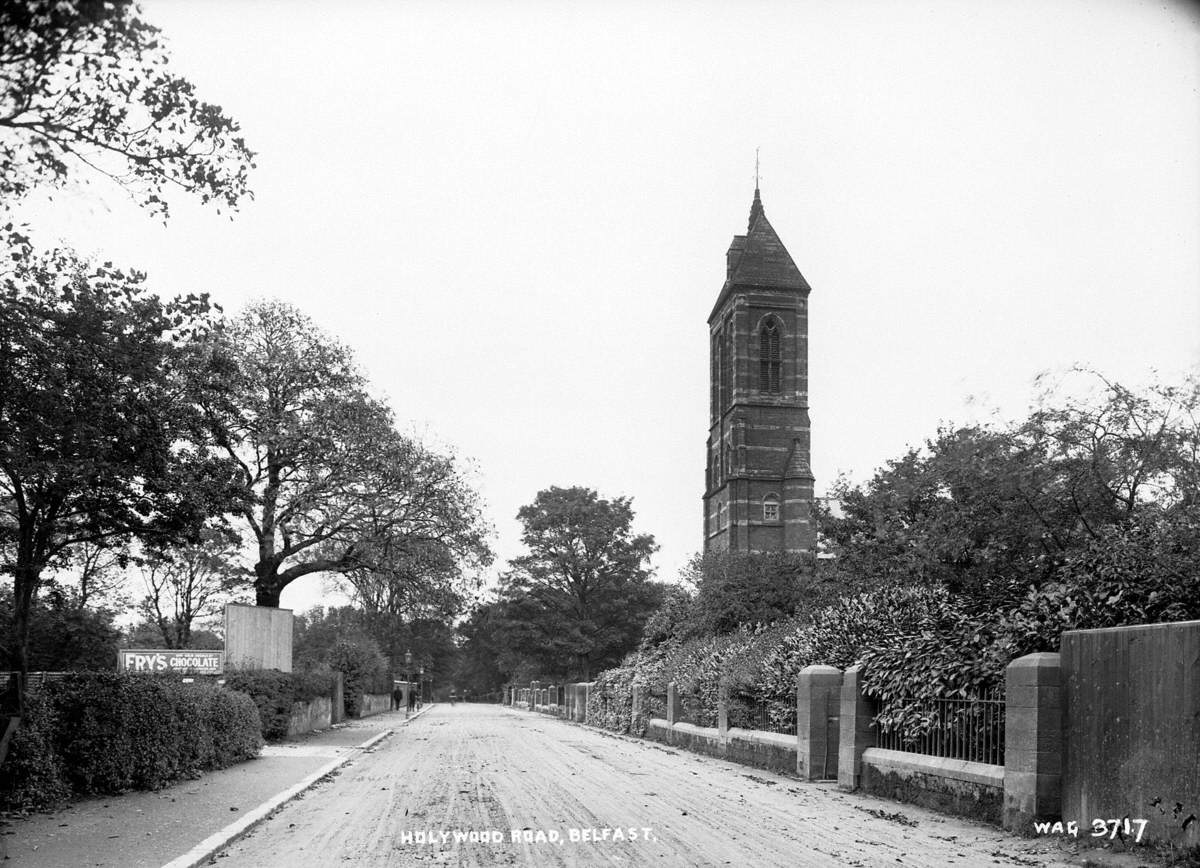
(407, 682)
(421, 685)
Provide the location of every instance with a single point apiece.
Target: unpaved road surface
(491, 771)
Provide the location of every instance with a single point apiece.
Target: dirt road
(484, 785)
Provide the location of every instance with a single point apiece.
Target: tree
(97, 571)
(62, 635)
(675, 619)
(146, 633)
(477, 665)
(333, 487)
(735, 589)
(412, 577)
(87, 84)
(987, 511)
(318, 630)
(191, 583)
(101, 439)
(578, 600)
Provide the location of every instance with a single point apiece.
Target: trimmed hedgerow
(34, 776)
(109, 732)
(275, 693)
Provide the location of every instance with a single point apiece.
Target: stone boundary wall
(1051, 729)
(775, 751)
(1130, 708)
(375, 703)
(952, 786)
(308, 716)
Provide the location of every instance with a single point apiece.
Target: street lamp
(421, 684)
(407, 682)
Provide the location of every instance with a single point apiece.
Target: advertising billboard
(179, 661)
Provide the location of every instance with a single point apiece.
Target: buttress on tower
(759, 485)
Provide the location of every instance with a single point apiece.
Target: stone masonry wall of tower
(758, 481)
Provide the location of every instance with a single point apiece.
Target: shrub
(738, 589)
(34, 777)
(365, 671)
(235, 727)
(763, 663)
(610, 701)
(108, 732)
(275, 693)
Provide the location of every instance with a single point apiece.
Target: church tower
(758, 484)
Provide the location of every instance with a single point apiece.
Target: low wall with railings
(680, 727)
(954, 763)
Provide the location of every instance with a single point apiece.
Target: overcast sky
(517, 214)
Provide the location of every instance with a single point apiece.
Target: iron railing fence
(32, 679)
(656, 705)
(970, 728)
(695, 711)
(751, 712)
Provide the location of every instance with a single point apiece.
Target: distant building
(758, 484)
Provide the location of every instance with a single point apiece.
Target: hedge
(275, 693)
(110, 732)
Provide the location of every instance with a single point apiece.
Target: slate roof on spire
(764, 261)
(759, 258)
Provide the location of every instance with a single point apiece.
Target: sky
(516, 214)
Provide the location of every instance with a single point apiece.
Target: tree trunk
(267, 595)
(267, 585)
(25, 581)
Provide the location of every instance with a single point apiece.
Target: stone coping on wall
(953, 769)
(697, 731)
(732, 735)
(762, 736)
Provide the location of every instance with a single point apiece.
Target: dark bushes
(275, 692)
(33, 773)
(108, 732)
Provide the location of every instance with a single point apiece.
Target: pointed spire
(756, 208)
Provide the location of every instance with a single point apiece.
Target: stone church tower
(758, 485)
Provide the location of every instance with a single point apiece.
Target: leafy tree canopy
(578, 601)
(333, 487)
(87, 84)
(987, 511)
(101, 436)
(191, 583)
(735, 589)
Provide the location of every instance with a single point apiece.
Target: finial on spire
(756, 208)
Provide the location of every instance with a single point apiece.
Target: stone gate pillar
(818, 710)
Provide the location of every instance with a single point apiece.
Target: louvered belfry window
(769, 361)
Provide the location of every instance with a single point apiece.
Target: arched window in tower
(771, 509)
(770, 363)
